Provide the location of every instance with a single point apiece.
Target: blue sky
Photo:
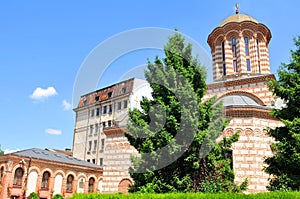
(44, 43)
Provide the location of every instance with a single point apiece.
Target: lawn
(270, 195)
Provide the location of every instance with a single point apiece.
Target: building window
(247, 53)
(125, 103)
(92, 112)
(123, 90)
(91, 185)
(94, 161)
(45, 180)
(110, 108)
(101, 161)
(246, 46)
(234, 54)
(1, 174)
(223, 58)
(103, 124)
(233, 44)
(104, 109)
(224, 69)
(119, 105)
(81, 183)
(234, 65)
(102, 144)
(97, 128)
(88, 160)
(97, 111)
(90, 145)
(91, 129)
(18, 176)
(84, 102)
(109, 94)
(95, 145)
(248, 64)
(258, 55)
(69, 184)
(109, 123)
(97, 98)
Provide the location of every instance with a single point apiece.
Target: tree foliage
(1, 152)
(174, 131)
(285, 164)
(33, 195)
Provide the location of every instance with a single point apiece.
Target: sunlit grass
(270, 195)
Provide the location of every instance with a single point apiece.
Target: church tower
(239, 47)
(241, 69)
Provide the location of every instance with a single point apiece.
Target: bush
(57, 196)
(34, 195)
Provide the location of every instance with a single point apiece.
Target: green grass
(270, 195)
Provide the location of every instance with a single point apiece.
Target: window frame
(104, 109)
(18, 177)
(223, 58)
(91, 186)
(45, 181)
(69, 183)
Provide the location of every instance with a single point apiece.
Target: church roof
(53, 156)
(238, 18)
(238, 100)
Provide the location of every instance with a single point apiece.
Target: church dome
(237, 18)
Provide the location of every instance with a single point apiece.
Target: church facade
(241, 68)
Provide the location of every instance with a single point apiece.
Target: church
(240, 55)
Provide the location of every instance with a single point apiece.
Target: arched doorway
(124, 185)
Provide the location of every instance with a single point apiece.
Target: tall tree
(175, 130)
(285, 164)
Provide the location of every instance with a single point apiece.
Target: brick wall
(11, 162)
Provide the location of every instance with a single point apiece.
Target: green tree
(174, 131)
(1, 152)
(285, 164)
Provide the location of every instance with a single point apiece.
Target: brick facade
(33, 170)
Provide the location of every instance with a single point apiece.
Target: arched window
(223, 58)
(45, 180)
(258, 55)
(69, 185)
(91, 185)
(233, 47)
(233, 44)
(1, 174)
(246, 39)
(18, 176)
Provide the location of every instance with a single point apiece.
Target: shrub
(34, 195)
(57, 196)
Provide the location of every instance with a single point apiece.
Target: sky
(44, 46)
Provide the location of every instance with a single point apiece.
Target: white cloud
(53, 131)
(6, 151)
(40, 93)
(66, 105)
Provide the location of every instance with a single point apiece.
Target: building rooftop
(53, 156)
